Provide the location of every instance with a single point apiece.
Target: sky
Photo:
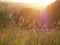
(4, 0)
(21, 0)
(42, 3)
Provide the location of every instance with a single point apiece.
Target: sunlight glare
(43, 3)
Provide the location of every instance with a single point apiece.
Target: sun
(42, 3)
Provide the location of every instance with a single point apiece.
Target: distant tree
(3, 15)
(54, 12)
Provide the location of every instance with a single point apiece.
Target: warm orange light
(42, 3)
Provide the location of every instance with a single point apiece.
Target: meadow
(22, 27)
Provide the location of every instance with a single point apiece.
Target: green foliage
(3, 15)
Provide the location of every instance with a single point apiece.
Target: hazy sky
(3, 0)
(6, 0)
(23, 0)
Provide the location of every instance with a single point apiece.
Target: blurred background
(29, 24)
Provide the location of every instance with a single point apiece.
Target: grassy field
(15, 36)
(24, 27)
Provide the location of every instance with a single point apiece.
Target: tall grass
(27, 31)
